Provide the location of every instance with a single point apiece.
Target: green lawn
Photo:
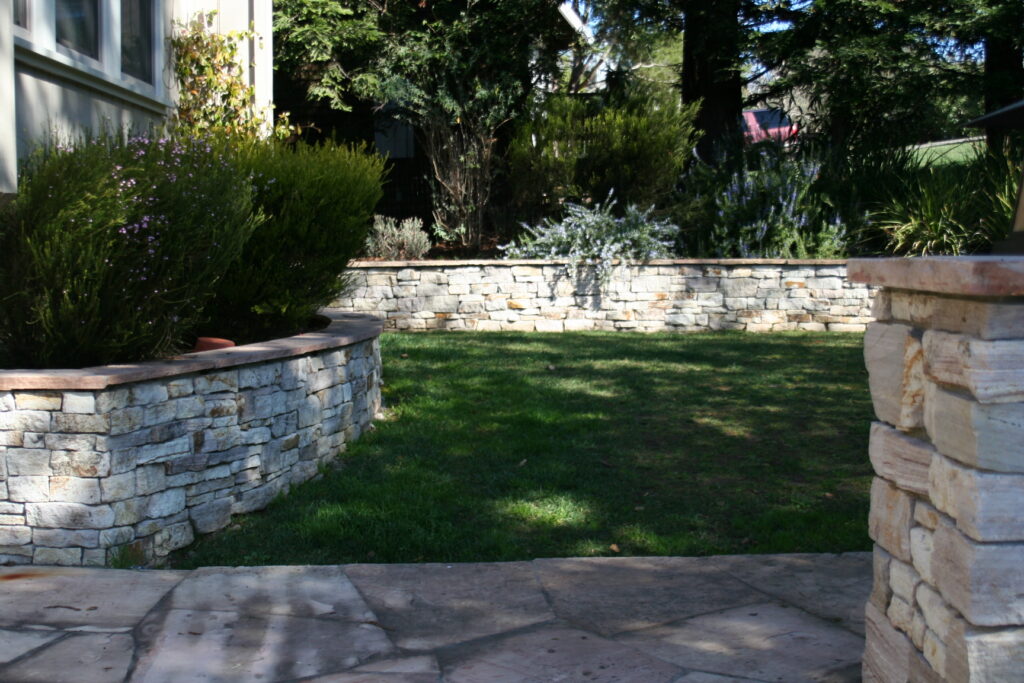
(504, 446)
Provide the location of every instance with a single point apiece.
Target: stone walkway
(693, 620)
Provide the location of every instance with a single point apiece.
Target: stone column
(945, 359)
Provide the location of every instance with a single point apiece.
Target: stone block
(28, 489)
(899, 458)
(926, 515)
(129, 511)
(939, 616)
(70, 442)
(987, 506)
(165, 503)
(993, 371)
(74, 490)
(900, 614)
(904, 580)
(37, 400)
(117, 487)
(881, 591)
(147, 394)
(921, 549)
(183, 386)
(976, 318)
(974, 654)
(69, 515)
(886, 651)
(989, 436)
(214, 382)
(159, 413)
(549, 326)
(152, 478)
(81, 424)
(157, 452)
(934, 651)
(15, 535)
(68, 557)
(80, 463)
(110, 538)
(890, 518)
(258, 375)
(25, 421)
(64, 538)
(211, 516)
(28, 462)
(895, 363)
(125, 420)
(982, 581)
(173, 537)
(79, 402)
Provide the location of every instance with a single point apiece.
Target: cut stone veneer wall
(685, 295)
(143, 457)
(946, 365)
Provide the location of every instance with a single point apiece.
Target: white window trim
(36, 46)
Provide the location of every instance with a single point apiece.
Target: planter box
(143, 457)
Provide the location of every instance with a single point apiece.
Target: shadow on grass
(514, 446)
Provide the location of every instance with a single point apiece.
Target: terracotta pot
(211, 343)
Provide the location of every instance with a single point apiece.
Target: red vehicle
(767, 124)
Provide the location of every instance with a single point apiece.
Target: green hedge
(317, 202)
(111, 247)
(122, 250)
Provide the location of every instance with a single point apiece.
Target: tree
(457, 70)
(719, 40)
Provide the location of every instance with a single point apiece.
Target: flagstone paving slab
(55, 596)
(322, 592)
(614, 594)
(425, 606)
(688, 620)
(828, 586)
(14, 644)
(767, 642)
(552, 653)
(228, 646)
(85, 658)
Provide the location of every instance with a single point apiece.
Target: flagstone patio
(647, 619)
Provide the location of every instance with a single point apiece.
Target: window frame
(36, 45)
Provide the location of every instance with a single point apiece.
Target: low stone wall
(137, 459)
(683, 295)
(946, 368)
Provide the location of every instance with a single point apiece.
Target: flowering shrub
(317, 202)
(595, 236)
(765, 205)
(111, 247)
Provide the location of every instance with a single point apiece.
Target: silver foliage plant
(595, 236)
(392, 240)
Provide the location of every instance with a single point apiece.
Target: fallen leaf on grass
(614, 547)
(521, 462)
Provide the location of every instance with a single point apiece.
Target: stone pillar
(945, 359)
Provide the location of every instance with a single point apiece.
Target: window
(21, 13)
(137, 39)
(78, 26)
(115, 46)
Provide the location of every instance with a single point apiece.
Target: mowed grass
(503, 446)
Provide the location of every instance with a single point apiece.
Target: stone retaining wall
(946, 367)
(138, 459)
(682, 295)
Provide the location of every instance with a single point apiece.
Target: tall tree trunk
(711, 72)
(1004, 70)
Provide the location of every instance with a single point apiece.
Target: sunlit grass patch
(504, 446)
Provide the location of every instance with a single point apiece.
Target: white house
(70, 65)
